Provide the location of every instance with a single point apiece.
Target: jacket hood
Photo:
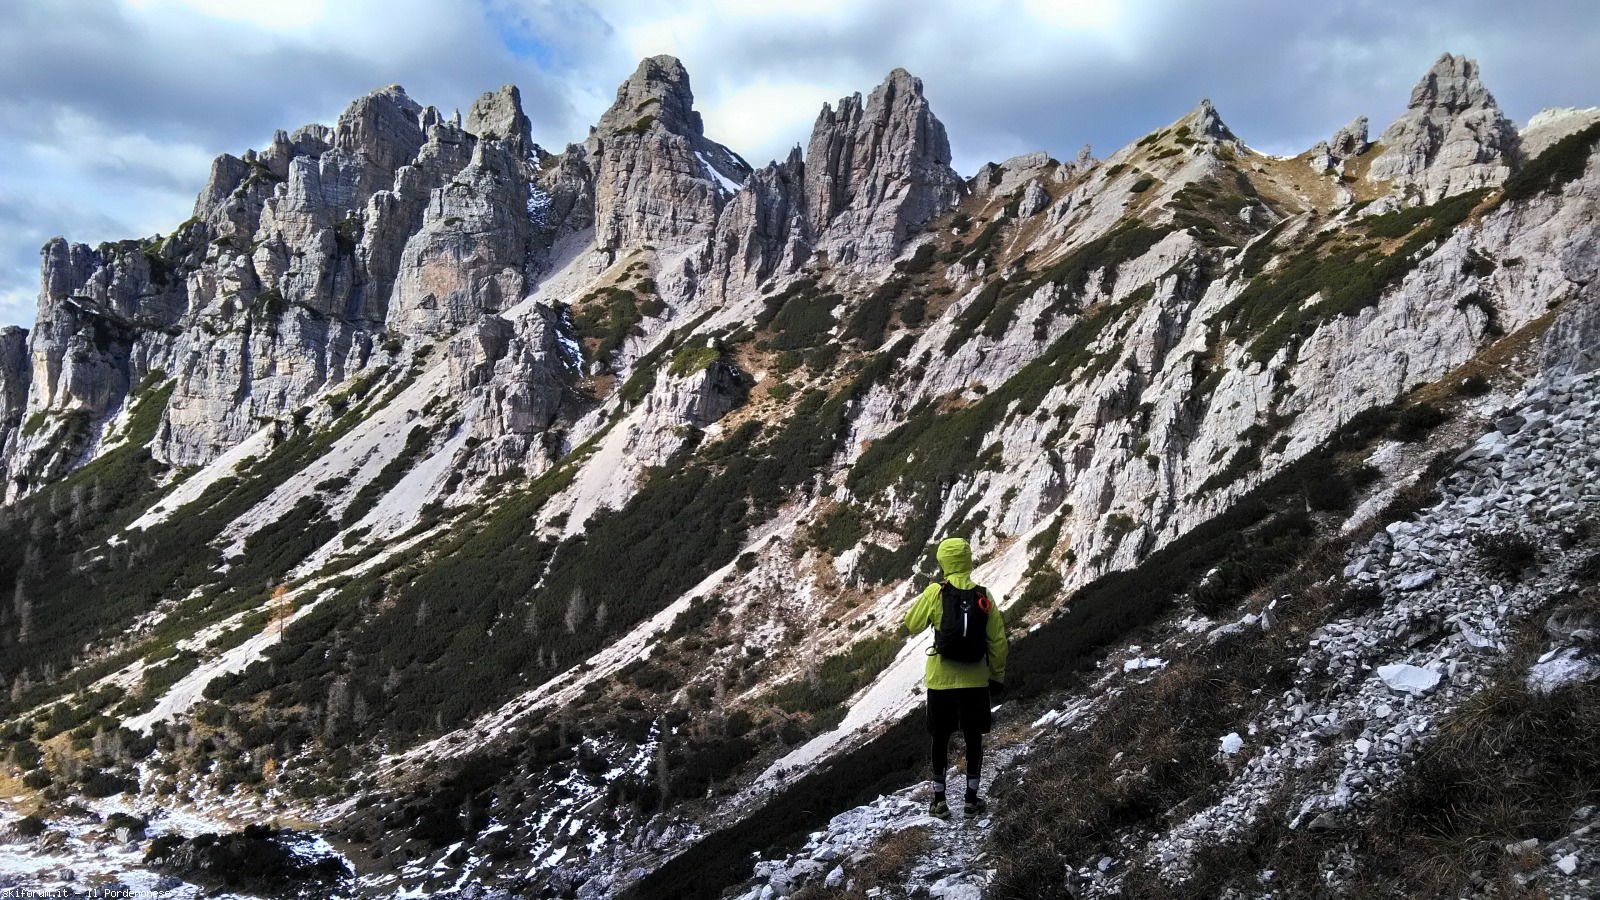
(955, 556)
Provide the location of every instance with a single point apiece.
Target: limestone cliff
(876, 172)
(658, 178)
(1451, 138)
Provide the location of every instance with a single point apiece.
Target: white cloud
(17, 306)
(270, 15)
(772, 116)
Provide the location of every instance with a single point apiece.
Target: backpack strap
(934, 649)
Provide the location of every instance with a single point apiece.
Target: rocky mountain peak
(1452, 85)
(1205, 122)
(875, 171)
(1451, 138)
(497, 115)
(385, 127)
(657, 91)
(658, 178)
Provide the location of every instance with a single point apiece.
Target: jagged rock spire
(1451, 138)
(1349, 141)
(658, 178)
(384, 127)
(1204, 122)
(764, 230)
(876, 171)
(498, 115)
(658, 89)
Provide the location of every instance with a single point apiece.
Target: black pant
(958, 709)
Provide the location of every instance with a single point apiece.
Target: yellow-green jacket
(955, 558)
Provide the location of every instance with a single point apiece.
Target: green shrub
(1117, 525)
(798, 318)
(1506, 555)
(914, 310)
(347, 234)
(839, 676)
(1043, 588)
(866, 325)
(1563, 162)
(919, 262)
(691, 359)
(985, 245)
(841, 529)
(1416, 421)
(608, 323)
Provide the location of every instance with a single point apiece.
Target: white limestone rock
(1452, 137)
(1409, 679)
(876, 172)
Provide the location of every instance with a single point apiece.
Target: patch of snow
(1140, 662)
(727, 184)
(570, 350)
(82, 856)
(1232, 743)
(538, 205)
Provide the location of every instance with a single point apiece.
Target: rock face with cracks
(1451, 138)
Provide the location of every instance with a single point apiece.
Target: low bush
(1416, 421)
(1506, 554)
(838, 676)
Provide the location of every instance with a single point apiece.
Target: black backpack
(963, 632)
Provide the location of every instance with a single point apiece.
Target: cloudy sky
(113, 109)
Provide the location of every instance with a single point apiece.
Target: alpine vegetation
(439, 514)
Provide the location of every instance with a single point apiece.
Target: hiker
(966, 667)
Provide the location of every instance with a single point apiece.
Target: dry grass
(1507, 765)
(1147, 763)
(1290, 184)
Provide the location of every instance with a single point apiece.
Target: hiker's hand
(997, 689)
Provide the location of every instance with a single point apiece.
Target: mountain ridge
(441, 450)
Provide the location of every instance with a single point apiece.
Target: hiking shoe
(975, 807)
(938, 808)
